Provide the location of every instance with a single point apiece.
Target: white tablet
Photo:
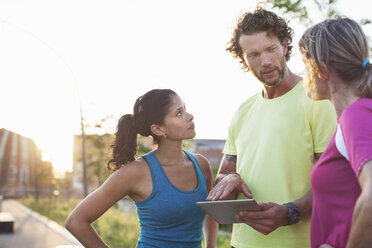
(224, 211)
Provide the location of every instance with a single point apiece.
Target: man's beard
(280, 69)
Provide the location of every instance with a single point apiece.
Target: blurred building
(209, 148)
(19, 158)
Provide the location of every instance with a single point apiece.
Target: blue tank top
(169, 217)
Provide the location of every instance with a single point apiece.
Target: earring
(164, 136)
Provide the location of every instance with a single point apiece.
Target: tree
(45, 177)
(98, 157)
(298, 9)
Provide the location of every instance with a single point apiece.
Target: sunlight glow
(118, 51)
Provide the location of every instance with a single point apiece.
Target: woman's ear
(322, 87)
(324, 72)
(157, 130)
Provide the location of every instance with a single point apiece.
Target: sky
(100, 55)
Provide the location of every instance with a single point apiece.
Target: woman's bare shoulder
(203, 162)
(136, 167)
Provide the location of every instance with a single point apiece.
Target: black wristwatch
(294, 214)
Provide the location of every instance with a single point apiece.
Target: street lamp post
(36, 165)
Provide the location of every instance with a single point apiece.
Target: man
(274, 139)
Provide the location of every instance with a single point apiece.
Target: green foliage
(45, 174)
(54, 209)
(116, 227)
(97, 156)
(297, 9)
(186, 145)
(294, 8)
(144, 145)
(365, 21)
(223, 240)
(215, 171)
(300, 9)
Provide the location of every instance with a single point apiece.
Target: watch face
(294, 214)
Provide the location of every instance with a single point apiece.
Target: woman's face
(178, 123)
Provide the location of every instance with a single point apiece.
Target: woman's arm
(361, 228)
(210, 232)
(80, 219)
(210, 225)
(97, 203)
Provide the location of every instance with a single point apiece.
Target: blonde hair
(341, 44)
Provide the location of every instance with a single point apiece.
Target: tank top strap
(156, 171)
(198, 170)
(160, 179)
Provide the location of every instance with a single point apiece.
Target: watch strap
(293, 214)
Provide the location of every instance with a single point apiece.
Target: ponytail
(341, 44)
(125, 144)
(366, 87)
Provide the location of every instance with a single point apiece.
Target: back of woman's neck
(342, 99)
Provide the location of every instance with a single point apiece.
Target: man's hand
(226, 186)
(270, 217)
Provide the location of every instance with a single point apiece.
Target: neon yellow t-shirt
(275, 141)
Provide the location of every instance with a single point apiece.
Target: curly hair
(260, 20)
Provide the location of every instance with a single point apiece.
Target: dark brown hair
(151, 108)
(260, 20)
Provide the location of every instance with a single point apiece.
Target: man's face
(265, 57)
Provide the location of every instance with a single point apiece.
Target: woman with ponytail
(164, 184)
(336, 55)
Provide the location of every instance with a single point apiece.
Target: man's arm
(228, 165)
(228, 181)
(274, 215)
